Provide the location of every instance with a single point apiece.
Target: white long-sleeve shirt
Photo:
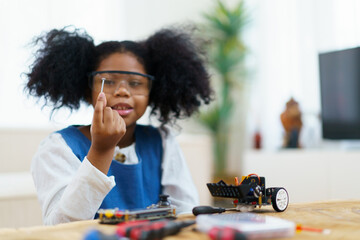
(71, 190)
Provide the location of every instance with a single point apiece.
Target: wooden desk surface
(341, 217)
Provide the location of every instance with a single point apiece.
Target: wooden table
(341, 217)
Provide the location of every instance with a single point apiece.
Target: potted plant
(226, 52)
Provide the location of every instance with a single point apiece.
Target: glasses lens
(135, 84)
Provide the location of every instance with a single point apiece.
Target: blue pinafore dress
(137, 185)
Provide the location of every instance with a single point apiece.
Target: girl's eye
(109, 82)
(135, 83)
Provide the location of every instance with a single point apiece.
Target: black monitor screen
(340, 94)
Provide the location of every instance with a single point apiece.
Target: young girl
(114, 162)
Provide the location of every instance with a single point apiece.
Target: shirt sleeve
(176, 178)
(67, 189)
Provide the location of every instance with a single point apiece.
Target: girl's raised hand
(107, 129)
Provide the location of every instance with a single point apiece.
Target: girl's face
(122, 92)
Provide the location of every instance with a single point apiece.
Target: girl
(114, 162)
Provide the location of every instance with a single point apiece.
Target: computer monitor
(340, 94)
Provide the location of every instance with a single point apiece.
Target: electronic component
(156, 211)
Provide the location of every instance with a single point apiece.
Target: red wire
(251, 175)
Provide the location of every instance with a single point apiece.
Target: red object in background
(257, 140)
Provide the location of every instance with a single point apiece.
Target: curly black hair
(60, 73)
(182, 82)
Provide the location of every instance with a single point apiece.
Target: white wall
(308, 175)
(20, 22)
(285, 37)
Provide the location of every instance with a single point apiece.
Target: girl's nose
(122, 91)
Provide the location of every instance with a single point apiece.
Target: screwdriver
(152, 229)
(209, 210)
(170, 228)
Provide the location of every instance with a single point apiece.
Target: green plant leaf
(226, 51)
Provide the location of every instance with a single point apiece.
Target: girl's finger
(119, 124)
(99, 108)
(108, 117)
(116, 117)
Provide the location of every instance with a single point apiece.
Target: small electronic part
(300, 228)
(156, 211)
(102, 84)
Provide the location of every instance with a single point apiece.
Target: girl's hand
(107, 129)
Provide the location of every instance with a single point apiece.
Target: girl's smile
(123, 109)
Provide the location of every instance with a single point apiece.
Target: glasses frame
(92, 74)
(150, 77)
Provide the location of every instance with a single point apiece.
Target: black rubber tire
(280, 199)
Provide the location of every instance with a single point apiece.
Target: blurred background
(280, 44)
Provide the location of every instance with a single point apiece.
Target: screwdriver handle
(207, 210)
